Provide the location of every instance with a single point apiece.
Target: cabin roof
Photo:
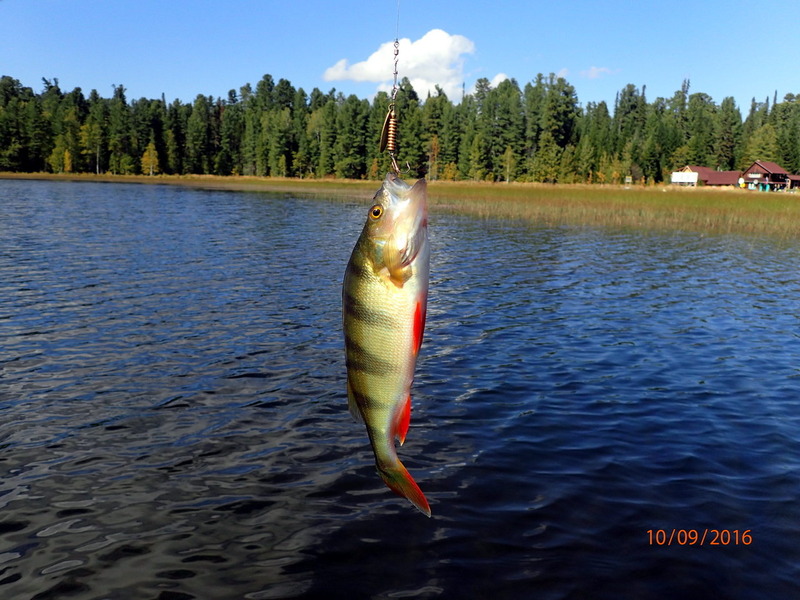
(769, 167)
(702, 171)
(723, 178)
(710, 176)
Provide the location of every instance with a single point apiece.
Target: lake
(597, 414)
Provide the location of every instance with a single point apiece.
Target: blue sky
(181, 48)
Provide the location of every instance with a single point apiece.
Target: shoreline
(655, 208)
(221, 182)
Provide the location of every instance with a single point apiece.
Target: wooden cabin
(769, 177)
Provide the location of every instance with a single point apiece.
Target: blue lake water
(173, 422)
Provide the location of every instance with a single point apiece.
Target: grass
(653, 208)
(636, 207)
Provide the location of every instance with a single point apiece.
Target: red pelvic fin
(399, 480)
(403, 420)
(419, 326)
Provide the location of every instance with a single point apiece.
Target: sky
(182, 48)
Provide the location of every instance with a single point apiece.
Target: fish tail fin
(399, 480)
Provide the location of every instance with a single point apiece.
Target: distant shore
(313, 187)
(620, 207)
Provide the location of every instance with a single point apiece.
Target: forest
(539, 132)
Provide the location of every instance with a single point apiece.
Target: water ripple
(173, 422)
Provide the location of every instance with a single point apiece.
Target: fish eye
(375, 212)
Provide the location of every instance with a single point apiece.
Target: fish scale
(384, 299)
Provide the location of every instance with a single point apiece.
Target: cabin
(694, 175)
(769, 177)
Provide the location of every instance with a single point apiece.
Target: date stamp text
(699, 537)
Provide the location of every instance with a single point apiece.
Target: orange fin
(403, 420)
(399, 480)
(419, 326)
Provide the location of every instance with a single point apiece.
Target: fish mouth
(418, 202)
(395, 185)
(418, 205)
(410, 201)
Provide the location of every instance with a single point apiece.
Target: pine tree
(479, 159)
(502, 127)
(198, 136)
(630, 117)
(50, 102)
(119, 133)
(656, 144)
(300, 159)
(534, 96)
(276, 131)
(433, 112)
(35, 133)
(547, 160)
(785, 117)
(93, 130)
(727, 135)
(229, 158)
(701, 115)
(597, 131)
(449, 141)
(14, 138)
(467, 117)
(503, 133)
(176, 122)
(323, 122)
(762, 145)
(411, 138)
(560, 111)
(350, 146)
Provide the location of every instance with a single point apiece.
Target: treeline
(536, 133)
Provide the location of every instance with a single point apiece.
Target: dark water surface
(173, 422)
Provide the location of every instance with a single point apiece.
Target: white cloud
(596, 72)
(437, 58)
(493, 83)
(498, 79)
(563, 73)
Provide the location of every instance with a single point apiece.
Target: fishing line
(397, 29)
(389, 133)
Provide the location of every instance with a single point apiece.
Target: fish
(384, 305)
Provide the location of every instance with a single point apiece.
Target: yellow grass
(659, 207)
(619, 207)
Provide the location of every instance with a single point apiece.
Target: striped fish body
(384, 298)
